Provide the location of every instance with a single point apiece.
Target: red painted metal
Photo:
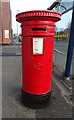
(37, 69)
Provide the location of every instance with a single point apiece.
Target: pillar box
(37, 52)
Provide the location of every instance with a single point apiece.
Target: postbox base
(34, 100)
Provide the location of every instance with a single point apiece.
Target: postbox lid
(38, 13)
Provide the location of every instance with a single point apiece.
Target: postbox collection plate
(38, 44)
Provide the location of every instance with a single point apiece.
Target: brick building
(5, 21)
(0, 25)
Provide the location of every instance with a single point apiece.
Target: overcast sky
(18, 6)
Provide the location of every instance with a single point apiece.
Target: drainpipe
(70, 49)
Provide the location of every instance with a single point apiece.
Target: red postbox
(37, 52)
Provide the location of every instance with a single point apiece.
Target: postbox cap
(34, 14)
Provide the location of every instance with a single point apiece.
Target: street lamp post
(17, 24)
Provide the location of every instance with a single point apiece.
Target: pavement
(0, 86)
(61, 99)
(65, 88)
(12, 107)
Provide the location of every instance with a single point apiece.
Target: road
(11, 49)
(60, 46)
(11, 94)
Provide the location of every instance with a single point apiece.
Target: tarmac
(60, 46)
(12, 107)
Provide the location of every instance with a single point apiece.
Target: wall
(0, 25)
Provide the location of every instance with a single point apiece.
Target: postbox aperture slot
(38, 29)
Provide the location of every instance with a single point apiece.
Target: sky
(18, 6)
